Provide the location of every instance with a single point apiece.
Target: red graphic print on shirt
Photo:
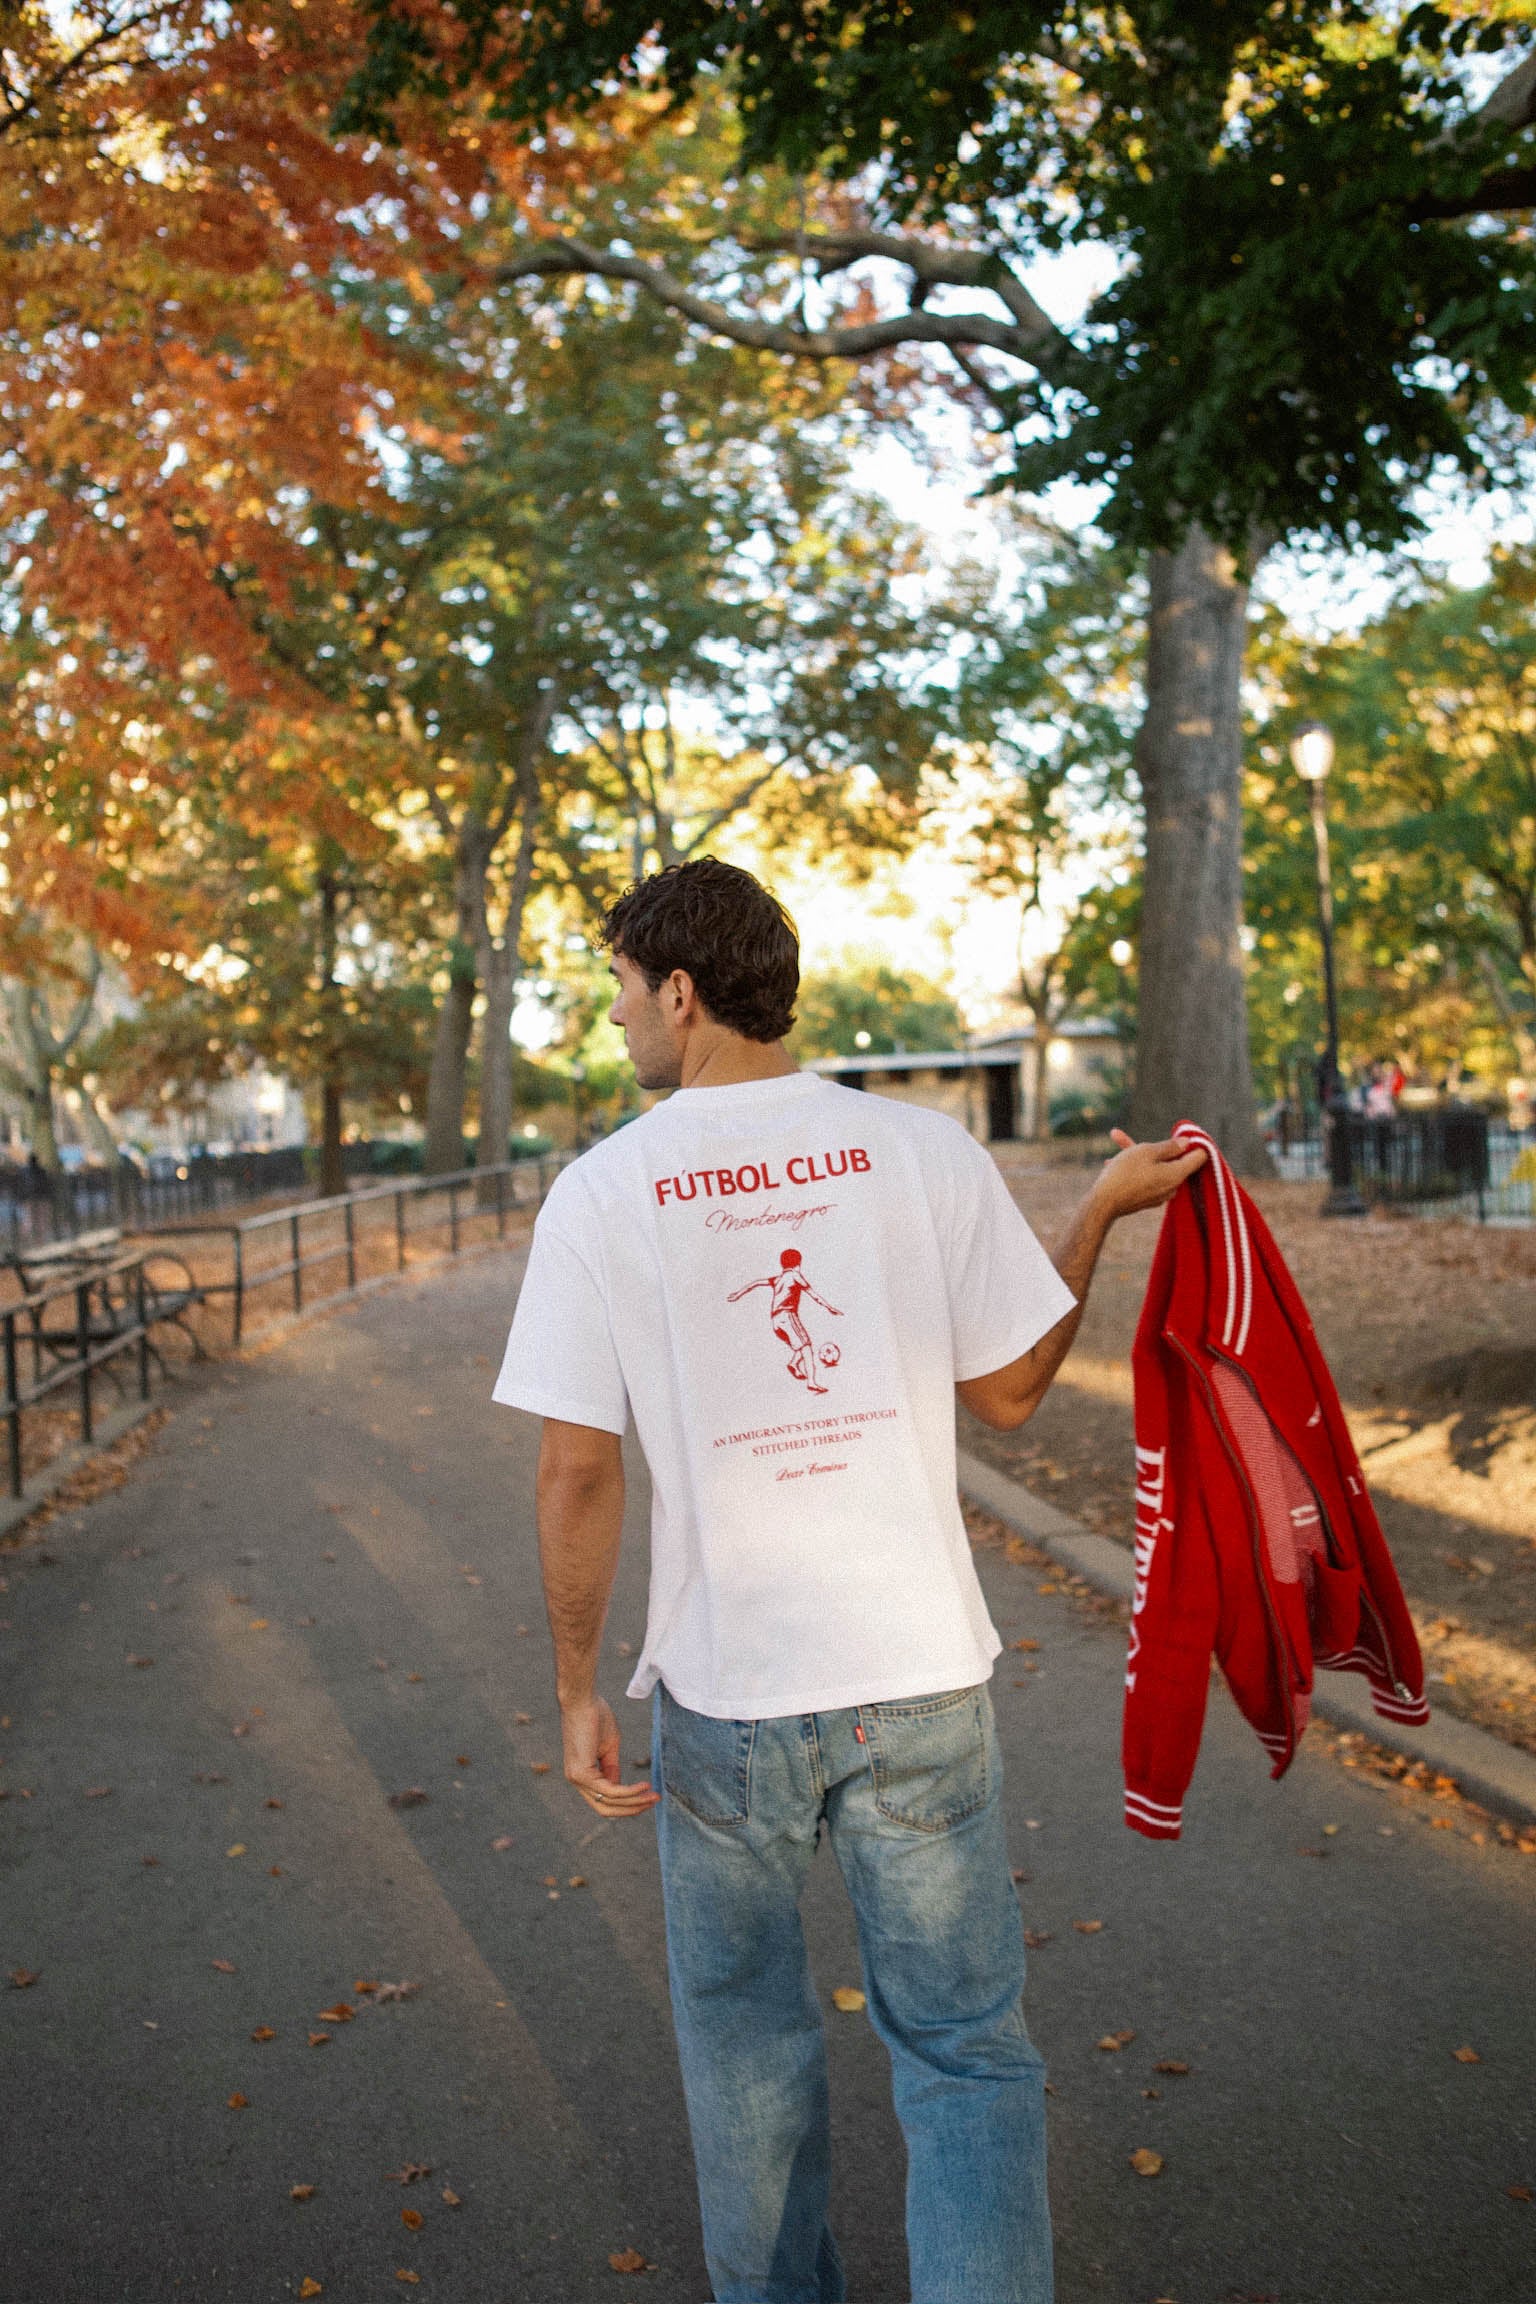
(786, 1287)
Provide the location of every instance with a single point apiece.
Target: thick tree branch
(1034, 339)
(1513, 102)
(932, 264)
(1501, 190)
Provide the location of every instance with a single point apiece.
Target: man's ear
(685, 997)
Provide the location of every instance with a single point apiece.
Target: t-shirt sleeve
(561, 1359)
(1004, 1291)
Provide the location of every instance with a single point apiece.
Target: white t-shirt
(783, 1280)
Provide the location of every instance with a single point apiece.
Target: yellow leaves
(263, 2033)
(1113, 2042)
(412, 2219)
(340, 2014)
(628, 2260)
(237, 1849)
(301, 2191)
(237, 2102)
(1088, 1927)
(848, 1999)
(1466, 2055)
(1146, 2162)
(308, 2288)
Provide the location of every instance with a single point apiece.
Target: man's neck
(724, 1059)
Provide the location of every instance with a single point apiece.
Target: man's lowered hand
(591, 1738)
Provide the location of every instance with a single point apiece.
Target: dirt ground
(1429, 1327)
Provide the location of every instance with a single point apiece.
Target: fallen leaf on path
(271, 1803)
(364, 1985)
(22, 1978)
(1113, 2042)
(274, 1871)
(1171, 2064)
(1026, 1644)
(1016, 1876)
(1088, 1927)
(577, 1880)
(319, 2039)
(237, 2102)
(451, 2198)
(461, 1760)
(411, 2279)
(1035, 1937)
(137, 1663)
(848, 1998)
(539, 1767)
(397, 1991)
(342, 2013)
(224, 1967)
(151, 1861)
(263, 2032)
(1147, 2163)
(98, 1791)
(523, 1719)
(1441, 1824)
(310, 2288)
(1311, 1851)
(236, 1849)
(1466, 2055)
(1520, 2192)
(381, 1663)
(502, 1841)
(415, 1677)
(1153, 2095)
(412, 2219)
(521, 1630)
(240, 1729)
(412, 1797)
(412, 2173)
(1330, 1831)
(301, 2191)
(628, 2260)
(259, 1624)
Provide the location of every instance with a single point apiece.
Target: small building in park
(989, 1087)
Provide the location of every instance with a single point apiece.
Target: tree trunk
(333, 1173)
(444, 1147)
(1192, 1059)
(499, 966)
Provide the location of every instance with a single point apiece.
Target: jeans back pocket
(931, 1757)
(706, 1765)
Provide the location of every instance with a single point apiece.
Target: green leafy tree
(1321, 290)
(865, 1007)
(1433, 806)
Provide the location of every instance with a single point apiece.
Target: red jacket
(1255, 1537)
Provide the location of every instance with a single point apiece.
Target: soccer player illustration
(785, 1289)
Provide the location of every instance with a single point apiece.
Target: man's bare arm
(581, 1514)
(1139, 1176)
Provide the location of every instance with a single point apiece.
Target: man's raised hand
(1144, 1175)
(591, 1737)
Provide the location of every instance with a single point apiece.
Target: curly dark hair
(723, 927)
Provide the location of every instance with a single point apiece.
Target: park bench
(83, 1293)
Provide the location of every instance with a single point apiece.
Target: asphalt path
(327, 1557)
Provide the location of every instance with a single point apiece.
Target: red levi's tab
(1255, 1538)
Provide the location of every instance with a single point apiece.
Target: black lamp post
(1312, 758)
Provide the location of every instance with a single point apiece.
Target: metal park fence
(107, 1315)
(96, 1307)
(1449, 1160)
(358, 1236)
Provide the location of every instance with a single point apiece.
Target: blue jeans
(910, 1795)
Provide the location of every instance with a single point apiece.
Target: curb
(1499, 1776)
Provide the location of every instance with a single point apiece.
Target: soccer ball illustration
(830, 1355)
